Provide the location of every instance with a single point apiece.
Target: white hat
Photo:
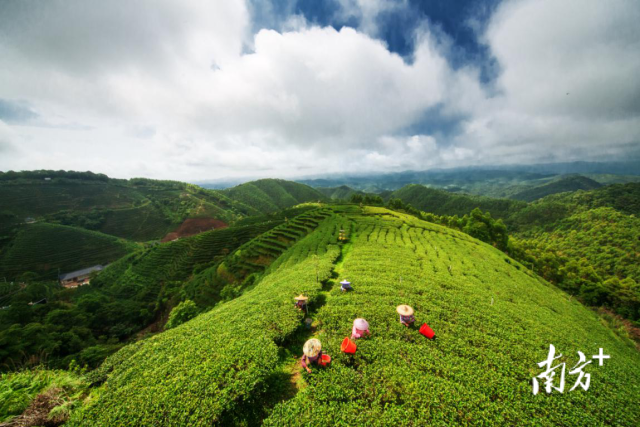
(361, 324)
(345, 282)
(404, 310)
(312, 347)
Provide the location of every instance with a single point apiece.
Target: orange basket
(348, 346)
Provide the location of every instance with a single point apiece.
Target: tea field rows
(494, 321)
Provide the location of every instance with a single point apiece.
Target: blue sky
(215, 89)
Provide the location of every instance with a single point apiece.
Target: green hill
(519, 215)
(237, 364)
(270, 195)
(137, 209)
(442, 202)
(563, 185)
(49, 249)
(585, 242)
(136, 292)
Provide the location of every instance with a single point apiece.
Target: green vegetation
(563, 185)
(593, 254)
(181, 313)
(60, 390)
(367, 199)
(139, 290)
(234, 363)
(48, 250)
(493, 318)
(241, 269)
(339, 193)
(89, 323)
(270, 195)
(229, 353)
(137, 209)
(586, 242)
(440, 202)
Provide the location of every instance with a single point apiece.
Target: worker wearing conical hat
(301, 302)
(406, 314)
(345, 286)
(312, 353)
(360, 329)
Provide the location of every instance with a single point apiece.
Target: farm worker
(345, 286)
(312, 350)
(360, 328)
(301, 302)
(406, 314)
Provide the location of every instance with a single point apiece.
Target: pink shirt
(358, 333)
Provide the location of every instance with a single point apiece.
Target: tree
(181, 313)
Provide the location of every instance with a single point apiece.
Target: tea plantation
(494, 322)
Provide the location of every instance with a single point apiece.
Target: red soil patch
(193, 226)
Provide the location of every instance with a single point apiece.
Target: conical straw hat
(301, 298)
(404, 310)
(345, 282)
(361, 324)
(312, 347)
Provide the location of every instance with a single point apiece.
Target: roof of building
(82, 272)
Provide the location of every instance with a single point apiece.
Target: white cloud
(366, 12)
(5, 139)
(568, 87)
(182, 90)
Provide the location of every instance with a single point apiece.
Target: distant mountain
(496, 183)
(565, 184)
(491, 181)
(614, 168)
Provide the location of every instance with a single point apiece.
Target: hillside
(440, 202)
(270, 195)
(585, 242)
(48, 250)
(338, 193)
(137, 209)
(594, 254)
(236, 364)
(517, 214)
(563, 185)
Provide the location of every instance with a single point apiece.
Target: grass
(19, 389)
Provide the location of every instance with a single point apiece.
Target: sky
(197, 90)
